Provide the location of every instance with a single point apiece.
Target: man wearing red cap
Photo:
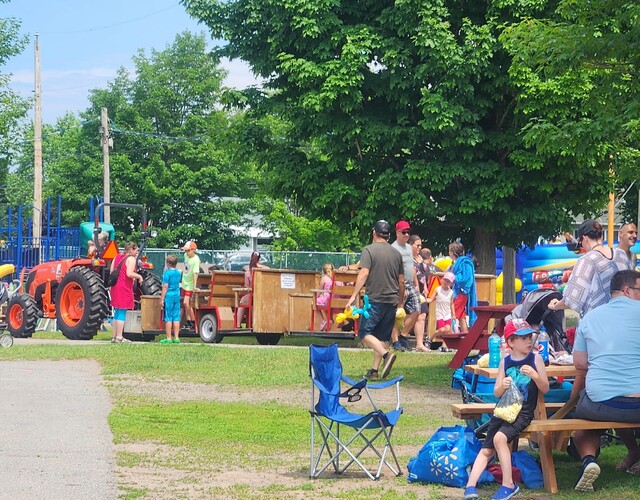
(188, 284)
(400, 341)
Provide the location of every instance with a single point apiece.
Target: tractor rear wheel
(22, 315)
(80, 304)
(151, 284)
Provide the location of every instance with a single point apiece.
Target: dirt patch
(145, 469)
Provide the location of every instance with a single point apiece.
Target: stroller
(534, 309)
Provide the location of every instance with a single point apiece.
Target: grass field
(231, 421)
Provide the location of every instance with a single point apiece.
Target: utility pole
(37, 150)
(106, 142)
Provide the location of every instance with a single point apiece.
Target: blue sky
(84, 42)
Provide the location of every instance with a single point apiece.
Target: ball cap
(449, 276)
(517, 326)
(190, 245)
(585, 228)
(382, 227)
(402, 225)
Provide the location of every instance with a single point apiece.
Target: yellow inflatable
(6, 270)
(443, 263)
(499, 288)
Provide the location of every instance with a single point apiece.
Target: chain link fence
(234, 260)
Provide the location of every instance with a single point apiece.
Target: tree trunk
(508, 275)
(485, 251)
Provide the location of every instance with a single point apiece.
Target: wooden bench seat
(221, 288)
(474, 411)
(576, 424)
(341, 290)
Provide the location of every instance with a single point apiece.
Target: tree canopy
(12, 107)
(405, 109)
(578, 74)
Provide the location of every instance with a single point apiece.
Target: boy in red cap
(526, 370)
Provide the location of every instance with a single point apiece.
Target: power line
(88, 30)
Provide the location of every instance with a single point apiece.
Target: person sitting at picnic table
(607, 347)
(588, 285)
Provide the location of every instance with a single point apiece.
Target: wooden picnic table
(464, 343)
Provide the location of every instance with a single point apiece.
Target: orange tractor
(73, 292)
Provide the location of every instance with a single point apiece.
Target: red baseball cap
(402, 225)
(517, 326)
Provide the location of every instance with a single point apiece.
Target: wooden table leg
(469, 340)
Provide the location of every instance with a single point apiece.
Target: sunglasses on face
(406, 233)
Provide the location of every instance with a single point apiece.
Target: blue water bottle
(494, 349)
(543, 345)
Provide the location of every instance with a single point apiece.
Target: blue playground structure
(20, 247)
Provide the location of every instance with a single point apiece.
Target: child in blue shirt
(171, 300)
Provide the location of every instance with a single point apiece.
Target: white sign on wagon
(288, 281)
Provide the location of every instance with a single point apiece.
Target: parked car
(240, 261)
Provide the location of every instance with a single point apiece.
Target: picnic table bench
(549, 432)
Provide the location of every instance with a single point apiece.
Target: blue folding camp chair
(372, 430)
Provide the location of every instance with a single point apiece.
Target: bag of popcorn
(509, 405)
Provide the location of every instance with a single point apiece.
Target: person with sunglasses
(607, 348)
(588, 285)
(400, 340)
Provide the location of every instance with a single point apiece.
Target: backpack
(113, 277)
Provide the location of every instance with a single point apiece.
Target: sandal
(123, 341)
(629, 462)
(635, 468)
(166, 341)
(113, 340)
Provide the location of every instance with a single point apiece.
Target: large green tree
(403, 109)
(12, 107)
(578, 73)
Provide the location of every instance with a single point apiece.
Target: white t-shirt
(443, 303)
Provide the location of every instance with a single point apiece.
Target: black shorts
(512, 431)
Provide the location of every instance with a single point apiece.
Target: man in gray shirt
(411, 303)
(382, 273)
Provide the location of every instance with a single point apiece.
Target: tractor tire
(80, 304)
(208, 329)
(151, 284)
(22, 315)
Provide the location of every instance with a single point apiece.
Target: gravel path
(54, 439)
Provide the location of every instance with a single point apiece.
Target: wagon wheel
(80, 304)
(22, 315)
(268, 338)
(208, 329)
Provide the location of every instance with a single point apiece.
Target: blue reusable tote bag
(447, 458)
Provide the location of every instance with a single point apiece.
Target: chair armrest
(386, 383)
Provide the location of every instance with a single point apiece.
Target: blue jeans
(379, 323)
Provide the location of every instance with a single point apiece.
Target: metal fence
(234, 260)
